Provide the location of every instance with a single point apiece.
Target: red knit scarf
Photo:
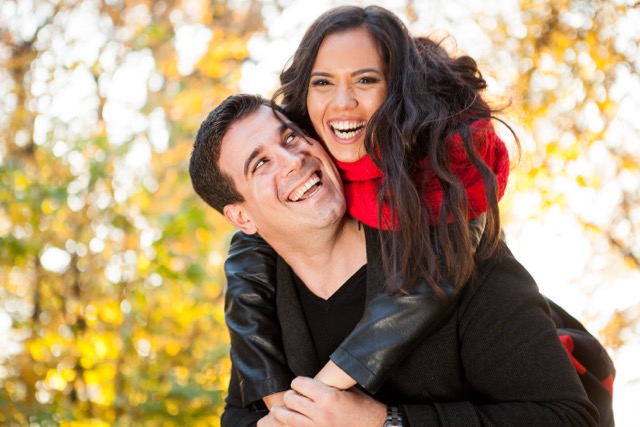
(363, 178)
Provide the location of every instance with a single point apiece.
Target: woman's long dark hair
(430, 96)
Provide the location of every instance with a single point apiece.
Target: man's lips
(306, 189)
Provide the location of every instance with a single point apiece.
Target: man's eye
(289, 139)
(259, 164)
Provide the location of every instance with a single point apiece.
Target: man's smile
(306, 189)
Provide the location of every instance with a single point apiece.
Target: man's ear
(236, 214)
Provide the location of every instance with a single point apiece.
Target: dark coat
(496, 360)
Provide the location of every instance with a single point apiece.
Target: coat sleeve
(512, 358)
(393, 324)
(251, 317)
(236, 414)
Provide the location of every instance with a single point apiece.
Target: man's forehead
(261, 123)
(247, 137)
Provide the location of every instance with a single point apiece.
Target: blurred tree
(109, 266)
(110, 281)
(574, 66)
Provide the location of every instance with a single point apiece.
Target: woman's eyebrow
(353, 73)
(320, 74)
(367, 70)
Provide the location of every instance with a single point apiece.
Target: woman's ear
(236, 214)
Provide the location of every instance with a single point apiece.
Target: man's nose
(291, 161)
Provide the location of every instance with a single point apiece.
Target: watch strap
(394, 417)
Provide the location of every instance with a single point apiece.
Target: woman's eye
(320, 82)
(368, 80)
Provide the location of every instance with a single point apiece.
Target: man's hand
(269, 421)
(275, 399)
(313, 404)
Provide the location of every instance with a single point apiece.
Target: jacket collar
(296, 337)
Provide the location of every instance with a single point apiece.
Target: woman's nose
(344, 97)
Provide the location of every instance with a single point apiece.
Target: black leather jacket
(390, 327)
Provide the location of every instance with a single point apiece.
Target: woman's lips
(346, 129)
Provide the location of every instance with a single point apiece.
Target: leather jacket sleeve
(393, 324)
(235, 413)
(251, 317)
(509, 353)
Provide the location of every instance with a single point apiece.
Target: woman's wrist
(333, 376)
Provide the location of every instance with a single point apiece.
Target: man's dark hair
(214, 186)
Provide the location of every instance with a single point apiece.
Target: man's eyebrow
(256, 153)
(285, 126)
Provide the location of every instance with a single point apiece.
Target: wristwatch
(394, 417)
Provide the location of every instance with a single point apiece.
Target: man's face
(289, 183)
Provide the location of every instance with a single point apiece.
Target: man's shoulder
(501, 274)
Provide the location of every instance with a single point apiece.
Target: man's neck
(326, 259)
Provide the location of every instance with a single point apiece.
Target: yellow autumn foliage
(124, 324)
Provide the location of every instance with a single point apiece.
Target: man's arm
(513, 358)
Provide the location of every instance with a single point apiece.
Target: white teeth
(346, 125)
(347, 129)
(346, 135)
(304, 187)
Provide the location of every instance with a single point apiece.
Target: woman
(362, 84)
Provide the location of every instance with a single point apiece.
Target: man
(496, 360)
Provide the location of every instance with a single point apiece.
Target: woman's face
(346, 87)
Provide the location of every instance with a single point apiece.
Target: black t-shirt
(330, 321)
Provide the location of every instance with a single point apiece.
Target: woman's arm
(514, 364)
(250, 314)
(235, 413)
(255, 333)
(390, 327)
